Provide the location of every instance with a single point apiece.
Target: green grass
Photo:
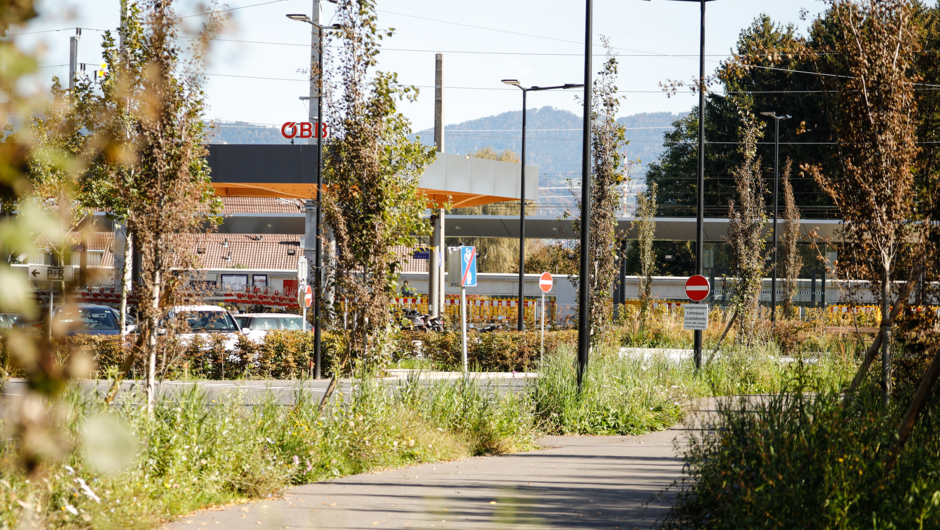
(802, 459)
(631, 396)
(194, 452)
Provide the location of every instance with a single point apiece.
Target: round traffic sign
(308, 296)
(545, 282)
(697, 288)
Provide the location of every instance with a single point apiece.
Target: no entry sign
(546, 282)
(697, 288)
(308, 296)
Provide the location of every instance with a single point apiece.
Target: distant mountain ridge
(553, 139)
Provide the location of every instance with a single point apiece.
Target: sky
(539, 42)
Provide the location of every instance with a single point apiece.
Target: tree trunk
(886, 337)
(907, 424)
(873, 349)
(152, 342)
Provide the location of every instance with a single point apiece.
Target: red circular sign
(697, 288)
(308, 296)
(545, 282)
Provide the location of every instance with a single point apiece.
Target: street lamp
(515, 83)
(773, 278)
(315, 92)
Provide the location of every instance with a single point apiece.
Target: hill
(553, 142)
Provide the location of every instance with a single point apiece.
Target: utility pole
(584, 287)
(73, 57)
(700, 181)
(436, 293)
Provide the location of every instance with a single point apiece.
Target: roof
(241, 205)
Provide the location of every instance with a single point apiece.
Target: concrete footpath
(575, 482)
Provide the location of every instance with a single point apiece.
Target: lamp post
(515, 83)
(773, 278)
(315, 92)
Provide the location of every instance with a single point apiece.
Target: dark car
(88, 319)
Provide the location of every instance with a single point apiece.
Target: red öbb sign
(697, 288)
(303, 129)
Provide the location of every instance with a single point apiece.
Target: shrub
(801, 459)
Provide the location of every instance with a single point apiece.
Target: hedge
(289, 354)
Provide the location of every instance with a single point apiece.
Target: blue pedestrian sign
(468, 268)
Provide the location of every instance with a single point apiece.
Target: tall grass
(623, 395)
(196, 451)
(801, 459)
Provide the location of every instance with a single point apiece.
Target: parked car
(90, 319)
(257, 325)
(205, 322)
(8, 320)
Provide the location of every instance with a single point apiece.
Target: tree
(877, 41)
(153, 170)
(608, 174)
(646, 226)
(372, 203)
(747, 219)
(791, 263)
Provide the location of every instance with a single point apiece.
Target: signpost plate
(695, 317)
(308, 296)
(545, 282)
(697, 288)
(468, 260)
(45, 273)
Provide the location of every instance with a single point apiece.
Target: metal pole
(463, 325)
(773, 278)
(521, 322)
(318, 245)
(584, 327)
(700, 181)
(542, 349)
(51, 296)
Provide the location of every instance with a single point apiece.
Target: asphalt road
(252, 392)
(608, 482)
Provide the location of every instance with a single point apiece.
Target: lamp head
(299, 17)
(513, 82)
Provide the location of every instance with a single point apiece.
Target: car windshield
(242, 321)
(208, 321)
(100, 318)
(291, 323)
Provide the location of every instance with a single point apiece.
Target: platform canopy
(289, 171)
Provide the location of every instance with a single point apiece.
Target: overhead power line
(234, 8)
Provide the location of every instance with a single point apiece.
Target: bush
(503, 351)
(802, 459)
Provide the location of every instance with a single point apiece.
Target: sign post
(462, 272)
(545, 284)
(695, 316)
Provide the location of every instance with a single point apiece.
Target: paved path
(576, 482)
